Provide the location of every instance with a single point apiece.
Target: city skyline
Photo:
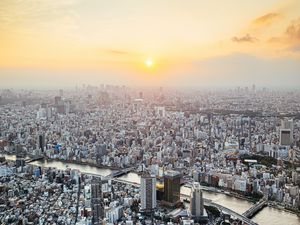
(199, 43)
(130, 112)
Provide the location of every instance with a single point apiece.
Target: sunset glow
(149, 63)
(96, 41)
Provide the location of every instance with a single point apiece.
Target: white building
(148, 193)
(197, 201)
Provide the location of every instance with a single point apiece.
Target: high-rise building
(67, 106)
(172, 188)
(160, 111)
(41, 142)
(286, 137)
(287, 124)
(141, 95)
(148, 193)
(197, 201)
(57, 100)
(286, 132)
(96, 202)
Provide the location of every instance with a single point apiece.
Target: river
(267, 216)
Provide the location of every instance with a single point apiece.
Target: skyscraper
(286, 132)
(96, 202)
(197, 202)
(41, 142)
(148, 193)
(286, 138)
(172, 188)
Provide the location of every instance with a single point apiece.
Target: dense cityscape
(125, 155)
(156, 112)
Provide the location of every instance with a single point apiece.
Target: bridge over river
(255, 208)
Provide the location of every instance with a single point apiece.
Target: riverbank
(275, 205)
(69, 161)
(268, 215)
(84, 163)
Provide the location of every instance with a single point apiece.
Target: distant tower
(160, 111)
(253, 88)
(197, 201)
(172, 188)
(57, 101)
(250, 135)
(141, 96)
(148, 193)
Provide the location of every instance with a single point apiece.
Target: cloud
(34, 15)
(244, 69)
(246, 38)
(290, 37)
(117, 52)
(295, 49)
(293, 30)
(266, 19)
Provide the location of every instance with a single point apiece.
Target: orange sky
(117, 37)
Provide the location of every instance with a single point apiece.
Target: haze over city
(160, 112)
(195, 43)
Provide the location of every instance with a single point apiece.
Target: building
(41, 142)
(57, 100)
(160, 111)
(148, 193)
(172, 188)
(96, 202)
(197, 209)
(286, 137)
(197, 201)
(286, 132)
(287, 124)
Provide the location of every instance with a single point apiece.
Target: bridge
(36, 158)
(114, 176)
(127, 182)
(224, 210)
(255, 208)
(120, 172)
(242, 218)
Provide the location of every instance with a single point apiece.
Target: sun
(149, 62)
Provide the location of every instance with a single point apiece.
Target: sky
(194, 43)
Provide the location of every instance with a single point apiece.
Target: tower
(148, 193)
(286, 132)
(197, 202)
(172, 188)
(41, 142)
(286, 138)
(96, 202)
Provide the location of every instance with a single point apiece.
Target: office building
(160, 111)
(197, 202)
(172, 188)
(287, 124)
(148, 193)
(197, 209)
(41, 142)
(286, 137)
(286, 132)
(96, 202)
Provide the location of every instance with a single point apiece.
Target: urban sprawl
(242, 142)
